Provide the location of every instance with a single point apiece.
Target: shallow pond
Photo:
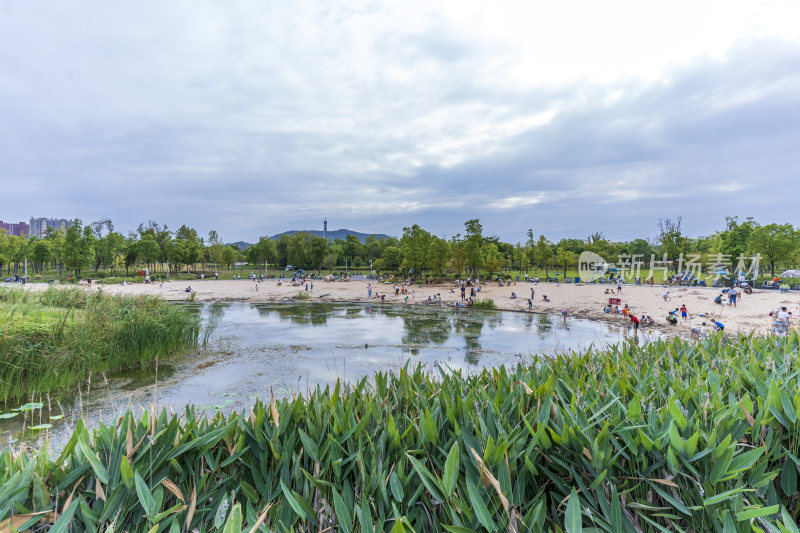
(255, 348)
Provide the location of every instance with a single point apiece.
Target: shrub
(483, 303)
(671, 436)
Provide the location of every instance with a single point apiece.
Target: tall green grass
(53, 339)
(671, 436)
(483, 303)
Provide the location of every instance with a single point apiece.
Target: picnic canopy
(793, 273)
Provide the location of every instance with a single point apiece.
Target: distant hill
(333, 234)
(241, 244)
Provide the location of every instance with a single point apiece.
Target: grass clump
(483, 303)
(53, 339)
(671, 436)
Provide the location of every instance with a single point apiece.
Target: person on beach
(719, 326)
(545, 298)
(698, 333)
(530, 304)
(564, 314)
(684, 312)
(733, 295)
(369, 290)
(635, 322)
(619, 286)
(463, 293)
(533, 293)
(666, 296)
(718, 299)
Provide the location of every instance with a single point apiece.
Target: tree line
(84, 249)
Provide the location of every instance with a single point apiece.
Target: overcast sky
(253, 118)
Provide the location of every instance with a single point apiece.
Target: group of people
(781, 320)
(728, 297)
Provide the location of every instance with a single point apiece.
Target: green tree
(40, 254)
(671, 242)
(230, 255)
(317, 249)
(641, 248)
(113, 250)
(459, 261)
(472, 246)
(544, 253)
(775, 242)
(352, 247)
(392, 258)
(492, 260)
(521, 257)
(735, 240)
(530, 247)
(74, 254)
(329, 262)
(148, 250)
(216, 253)
(262, 252)
(567, 258)
(5, 243)
(188, 248)
(439, 253)
(415, 244)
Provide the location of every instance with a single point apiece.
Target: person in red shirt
(635, 322)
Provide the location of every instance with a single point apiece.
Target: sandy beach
(582, 301)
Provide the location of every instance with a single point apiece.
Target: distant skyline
(253, 118)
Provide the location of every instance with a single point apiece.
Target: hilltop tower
(325, 229)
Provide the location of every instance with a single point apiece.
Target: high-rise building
(18, 228)
(325, 229)
(39, 226)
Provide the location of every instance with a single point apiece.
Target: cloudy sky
(257, 117)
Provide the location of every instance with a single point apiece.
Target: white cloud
(368, 109)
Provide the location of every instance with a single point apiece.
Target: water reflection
(253, 350)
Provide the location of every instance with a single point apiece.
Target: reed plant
(483, 303)
(671, 436)
(53, 339)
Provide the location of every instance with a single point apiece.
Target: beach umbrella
(793, 273)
